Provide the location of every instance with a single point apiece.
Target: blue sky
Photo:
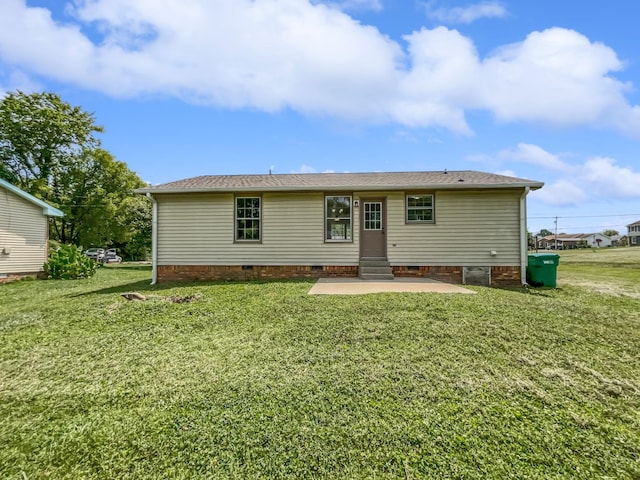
(544, 90)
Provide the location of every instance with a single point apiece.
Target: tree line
(51, 150)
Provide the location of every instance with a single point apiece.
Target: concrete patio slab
(355, 286)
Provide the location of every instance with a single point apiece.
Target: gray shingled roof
(466, 179)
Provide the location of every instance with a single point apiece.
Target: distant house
(567, 241)
(596, 240)
(619, 241)
(451, 226)
(563, 241)
(24, 232)
(633, 232)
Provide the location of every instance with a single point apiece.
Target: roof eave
(47, 209)
(316, 188)
(52, 212)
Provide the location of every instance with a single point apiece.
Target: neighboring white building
(596, 240)
(633, 232)
(24, 232)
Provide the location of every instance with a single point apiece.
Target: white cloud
(601, 177)
(304, 168)
(17, 80)
(404, 136)
(468, 14)
(562, 192)
(557, 77)
(317, 60)
(608, 179)
(353, 5)
(534, 155)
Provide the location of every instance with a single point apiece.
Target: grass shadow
(529, 290)
(133, 267)
(145, 285)
(126, 287)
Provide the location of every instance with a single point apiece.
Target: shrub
(53, 246)
(68, 262)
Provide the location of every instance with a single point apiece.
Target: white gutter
(524, 243)
(154, 239)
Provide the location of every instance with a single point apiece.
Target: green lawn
(261, 380)
(611, 271)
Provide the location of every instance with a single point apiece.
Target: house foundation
(10, 277)
(500, 276)
(192, 273)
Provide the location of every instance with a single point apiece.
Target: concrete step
(373, 268)
(373, 262)
(380, 270)
(376, 276)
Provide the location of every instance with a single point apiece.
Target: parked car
(96, 254)
(111, 256)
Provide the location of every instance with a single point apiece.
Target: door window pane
(373, 215)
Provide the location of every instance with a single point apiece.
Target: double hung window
(420, 208)
(248, 219)
(338, 220)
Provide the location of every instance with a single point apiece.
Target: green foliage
(40, 135)
(49, 149)
(98, 202)
(610, 232)
(133, 224)
(53, 246)
(67, 262)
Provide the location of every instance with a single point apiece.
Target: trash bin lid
(543, 259)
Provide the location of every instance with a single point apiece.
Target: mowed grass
(614, 271)
(262, 380)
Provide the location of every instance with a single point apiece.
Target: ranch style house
(454, 226)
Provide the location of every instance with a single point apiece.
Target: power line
(586, 216)
(580, 228)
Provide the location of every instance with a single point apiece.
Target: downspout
(154, 239)
(524, 244)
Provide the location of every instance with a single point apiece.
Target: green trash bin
(542, 268)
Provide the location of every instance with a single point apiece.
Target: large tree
(94, 193)
(40, 135)
(50, 149)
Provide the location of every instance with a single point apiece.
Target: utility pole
(555, 220)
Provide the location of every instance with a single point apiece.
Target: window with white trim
(420, 208)
(248, 219)
(338, 219)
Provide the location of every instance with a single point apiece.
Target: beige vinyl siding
(468, 226)
(199, 230)
(23, 230)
